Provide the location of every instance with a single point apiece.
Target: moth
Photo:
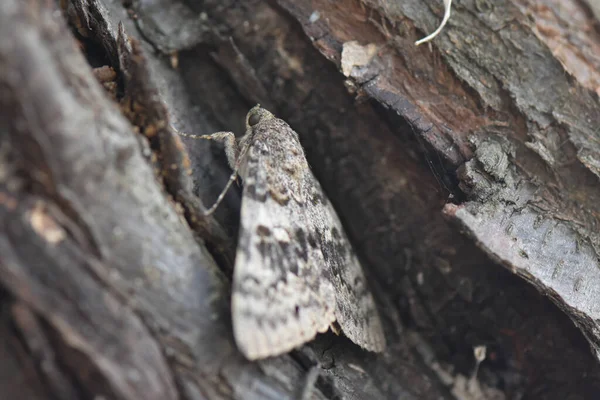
(295, 272)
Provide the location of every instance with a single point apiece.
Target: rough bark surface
(466, 172)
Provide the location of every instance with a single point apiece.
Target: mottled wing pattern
(279, 300)
(355, 307)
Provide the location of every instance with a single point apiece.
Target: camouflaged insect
(295, 271)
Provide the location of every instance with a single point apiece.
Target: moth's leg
(310, 382)
(232, 178)
(231, 152)
(235, 152)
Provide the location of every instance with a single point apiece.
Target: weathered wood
(108, 266)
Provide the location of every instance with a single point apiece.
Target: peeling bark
(446, 162)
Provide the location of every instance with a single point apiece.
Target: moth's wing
(279, 299)
(356, 311)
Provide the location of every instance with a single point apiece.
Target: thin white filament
(448, 6)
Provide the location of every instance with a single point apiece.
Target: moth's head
(256, 116)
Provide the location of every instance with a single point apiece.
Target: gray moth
(295, 272)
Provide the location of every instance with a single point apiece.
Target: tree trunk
(466, 172)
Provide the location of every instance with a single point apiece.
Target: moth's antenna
(228, 140)
(189, 135)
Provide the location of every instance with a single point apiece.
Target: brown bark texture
(466, 172)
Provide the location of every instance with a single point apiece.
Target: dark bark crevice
(115, 284)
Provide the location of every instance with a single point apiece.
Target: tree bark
(466, 172)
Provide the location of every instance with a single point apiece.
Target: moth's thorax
(271, 152)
